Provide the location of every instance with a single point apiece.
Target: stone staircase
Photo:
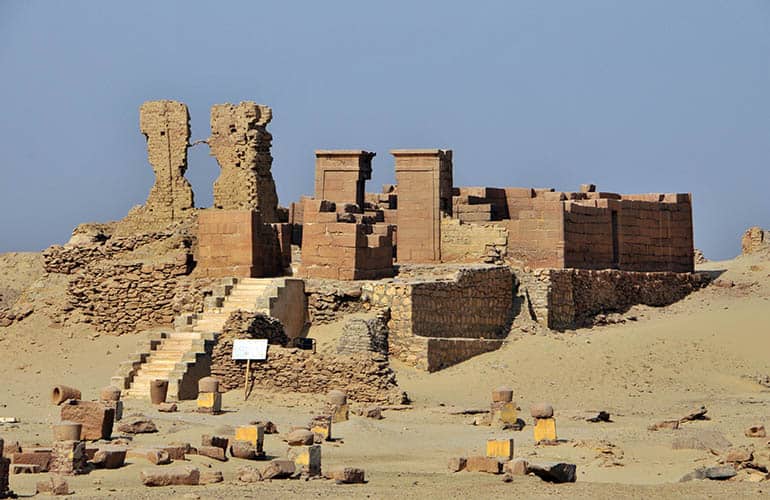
(184, 356)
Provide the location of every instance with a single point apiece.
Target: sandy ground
(706, 350)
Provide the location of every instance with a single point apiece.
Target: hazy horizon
(634, 97)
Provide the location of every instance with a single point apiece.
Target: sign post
(248, 349)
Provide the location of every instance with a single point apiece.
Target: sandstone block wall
(474, 303)
(464, 242)
(166, 125)
(343, 246)
(241, 144)
(365, 377)
(570, 298)
(341, 175)
(330, 301)
(424, 196)
(236, 243)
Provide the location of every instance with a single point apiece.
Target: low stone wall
(570, 298)
(127, 297)
(443, 353)
(329, 301)
(459, 302)
(365, 334)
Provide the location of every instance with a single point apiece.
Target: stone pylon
(241, 144)
(166, 126)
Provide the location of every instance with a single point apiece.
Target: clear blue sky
(633, 96)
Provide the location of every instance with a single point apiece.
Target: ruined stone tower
(166, 125)
(241, 144)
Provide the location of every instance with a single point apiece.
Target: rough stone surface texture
(365, 334)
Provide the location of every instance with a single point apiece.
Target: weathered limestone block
(110, 457)
(166, 125)
(53, 485)
(348, 475)
(307, 459)
(241, 144)
(279, 469)
(489, 465)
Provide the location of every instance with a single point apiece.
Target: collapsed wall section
(241, 145)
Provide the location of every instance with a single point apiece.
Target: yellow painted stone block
(254, 434)
(504, 413)
(545, 429)
(324, 431)
(210, 401)
(500, 448)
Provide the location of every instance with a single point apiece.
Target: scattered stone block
(137, 424)
(170, 476)
(167, 407)
(504, 413)
(456, 464)
(307, 459)
(214, 452)
(322, 426)
(249, 474)
(720, 473)
(179, 451)
(554, 472)
(279, 469)
(502, 394)
(96, 418)
(117, 406)
(300, 437)
(40, 458)
(254, 434)
(517, 467)
(53, 485)
(545, 429)
(244, 450)
(374, 412)
(210, 477)
(698, 414)
(112, 457)
(738, 455)
(602, 416)
(270, 427)
(756, 431)
(210, 402)
(489, 465)
(500, 448)
(68, 457)
(158, 456)
(541, 410)
(217, 441)
(348, 475)
(340, 413)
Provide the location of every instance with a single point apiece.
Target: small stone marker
(170, 476)
(210, 402)
(307, 459)
(545, 430)
(254, 434)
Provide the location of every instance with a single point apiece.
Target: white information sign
(250, 349)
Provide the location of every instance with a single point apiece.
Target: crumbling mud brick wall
(341, 175)
(474, 304)
(166, 125)
(329, 301)
(564, 299)
(754, 240)
(347, 246)
(365, 377)
(424, 179)
(237, 243)
(126, 284)
(241, 145)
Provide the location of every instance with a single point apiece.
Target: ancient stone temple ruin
(433, 273)
(165, 125)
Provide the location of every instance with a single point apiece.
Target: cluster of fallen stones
(499, 456)
(82, 441)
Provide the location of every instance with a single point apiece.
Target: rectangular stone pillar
(341, 175)
(424, 178)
